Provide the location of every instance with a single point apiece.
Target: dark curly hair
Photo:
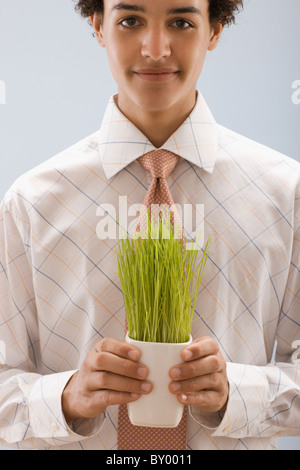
(220, 11)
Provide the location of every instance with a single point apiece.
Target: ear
(216, 31)
(97, 23)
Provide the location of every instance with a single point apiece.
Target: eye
(182, 24)
(129, 22)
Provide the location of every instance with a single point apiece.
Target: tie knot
(159, 163)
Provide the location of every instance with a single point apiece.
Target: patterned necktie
(160, 164)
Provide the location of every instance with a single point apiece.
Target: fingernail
(187, 354)
(175, 373)
(175, 387)
(184, 397)
(133, 355)
(134, 395)
(142, 371)
(146, 387)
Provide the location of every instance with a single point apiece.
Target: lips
(156, 71)
(156, 74)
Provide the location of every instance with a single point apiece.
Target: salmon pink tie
(159, 164)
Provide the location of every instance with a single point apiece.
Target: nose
(156, 44)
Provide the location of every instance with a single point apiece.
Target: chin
(155, 100)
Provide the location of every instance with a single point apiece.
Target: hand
(201, 380)
(110, 375)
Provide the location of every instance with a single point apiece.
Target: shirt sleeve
(264, 401)
(31, 414)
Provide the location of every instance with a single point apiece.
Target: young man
(67, 368)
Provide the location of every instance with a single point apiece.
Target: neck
(158, 125)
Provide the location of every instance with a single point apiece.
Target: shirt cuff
(208, 420)
(46, 414)
(248, 399)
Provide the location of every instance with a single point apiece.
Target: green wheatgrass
(160, 281)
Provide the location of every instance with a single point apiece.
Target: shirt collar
(121, 142)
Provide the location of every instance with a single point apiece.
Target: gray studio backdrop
(55, 82)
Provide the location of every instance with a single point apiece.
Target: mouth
(156, 75)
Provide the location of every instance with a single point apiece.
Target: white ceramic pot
(160, 408)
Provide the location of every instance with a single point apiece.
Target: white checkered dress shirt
(60, 292)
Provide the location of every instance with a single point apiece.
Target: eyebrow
(172, 11)
(184, 10)
(125, 6)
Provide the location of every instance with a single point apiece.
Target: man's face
(156, 49)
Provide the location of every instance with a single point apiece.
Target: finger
(197, 384)
(201, 347)
(106, 361)
(200, 367)
(104, 398)
(109, 398)
(209, 401)
(118, 348)
(109, 381)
